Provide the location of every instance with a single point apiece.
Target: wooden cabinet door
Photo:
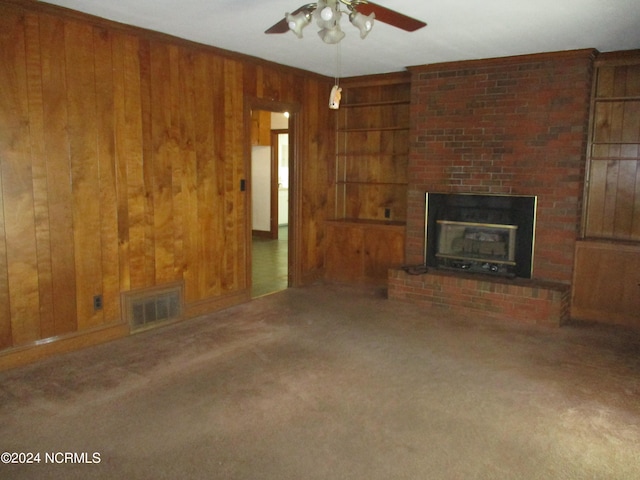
(362, 252)
(606, 285)
(383, 249)
(343, 261)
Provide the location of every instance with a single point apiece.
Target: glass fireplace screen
(481, 247)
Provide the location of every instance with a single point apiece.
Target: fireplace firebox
(490, 234)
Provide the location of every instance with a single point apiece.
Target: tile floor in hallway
(269, 267)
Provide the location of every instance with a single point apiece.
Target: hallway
(270, 263)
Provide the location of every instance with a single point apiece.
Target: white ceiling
(457, 30)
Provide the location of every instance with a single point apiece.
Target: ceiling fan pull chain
(338, 65)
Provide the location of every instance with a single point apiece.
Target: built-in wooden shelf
(367, 235)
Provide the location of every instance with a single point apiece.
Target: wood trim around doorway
(294, 250)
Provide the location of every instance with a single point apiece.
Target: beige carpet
(332, 383)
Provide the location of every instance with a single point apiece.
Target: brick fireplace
(508, 126)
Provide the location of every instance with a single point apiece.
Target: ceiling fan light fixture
(327, 14)
(362, 22)
(298, 21)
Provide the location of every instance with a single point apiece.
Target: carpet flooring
(330, 383)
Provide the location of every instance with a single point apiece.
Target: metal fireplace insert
(490, 234)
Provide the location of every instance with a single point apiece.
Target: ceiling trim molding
(591, 53)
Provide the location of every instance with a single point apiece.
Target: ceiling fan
(327, 14)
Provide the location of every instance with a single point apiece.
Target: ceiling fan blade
(282, 26)
(391, 17)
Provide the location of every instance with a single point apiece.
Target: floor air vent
(148, 308)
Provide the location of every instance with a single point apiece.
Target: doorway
(270, 202)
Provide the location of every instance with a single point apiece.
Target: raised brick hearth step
(520, 300)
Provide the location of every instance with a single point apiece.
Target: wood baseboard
(25, 354)
(204, 307)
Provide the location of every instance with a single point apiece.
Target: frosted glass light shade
(327, 14)
(362, 22)
(331, 35)
(297, 22)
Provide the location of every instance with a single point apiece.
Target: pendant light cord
(338, 64)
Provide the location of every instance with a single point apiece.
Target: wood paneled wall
(121, 155)
(613, 191)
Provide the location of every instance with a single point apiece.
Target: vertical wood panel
(617, 122)
(187, 201)
(5, 310)
(38, 159)
(605, 81)
(308, 184)
(635, 229)
(7, 23)
(596, 196)
(127, 120)
(83, 134)
(164, 149)
(184, 171)
(620, 81)
(139, 177)
(633, 80)
(610, 196)
(54, 84)
(602, 123)
(240, 281)
(17, 185)
(196, 280)
(631, 124)
(105, 102)
(211, 170)
(178, 108)
(233, 275)
(227, 274)
(625, 199)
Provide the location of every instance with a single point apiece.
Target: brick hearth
(518, 300)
